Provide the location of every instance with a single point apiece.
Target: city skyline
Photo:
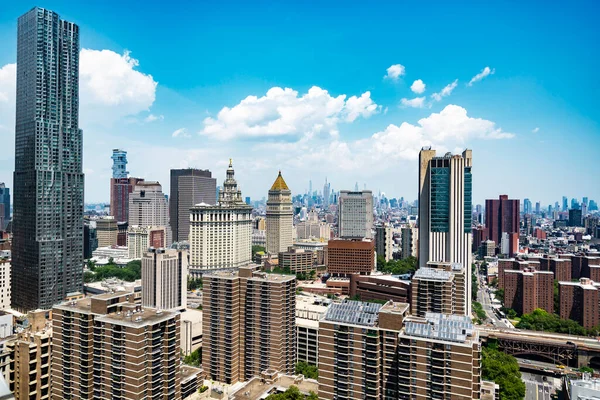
(506, 97)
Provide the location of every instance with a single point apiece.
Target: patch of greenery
(586, 370)
(541, 320)
(130, 272)
(503, 369)
(397, 267)
(203, 389)
(309, 371)
(194, 283)
(194, 358)
(258, 249)
(478, 309)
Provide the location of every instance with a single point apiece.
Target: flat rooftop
(354, 312)
(448, 328)
(432, 274)
(255, 389)
(136, 319)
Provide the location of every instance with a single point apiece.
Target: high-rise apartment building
(120, 190)
(5, 205)
(579, 302)
(358, 350)
(280, 217)
(106, 231)
(355, 214)
(189, 187)
(313, 228)
(90, 239)
(148, 206)
(164, 279)
(248, 324)
(47, 245)
(528, 289)
(345, 257)
(140, 238)
(410, 242)
(29, 355)
(439, 357)
(438, 288)
(384, 243)
(221, 234)
(445, 205)
(5, 288)
(107, 347)
(501, 216)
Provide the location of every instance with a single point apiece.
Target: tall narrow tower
(48, 180)
(280, 217)
(445, 211)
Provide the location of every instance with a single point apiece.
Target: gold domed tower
(280, 217)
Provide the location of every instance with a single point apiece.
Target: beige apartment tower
(29, 365)
(164, 279)
(106, 347)
(248, 324)
(280, 217)
(106, 231)
(148, 206)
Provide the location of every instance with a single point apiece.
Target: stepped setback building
(221, 234)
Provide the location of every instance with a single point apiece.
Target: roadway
(536, 388)
(484, 297)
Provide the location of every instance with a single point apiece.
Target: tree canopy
(309, 371)
(397, 267)
(503, 369)
(541, 320)
(293, 393)
(130, 272)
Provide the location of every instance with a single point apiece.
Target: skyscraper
(5, 204)
(280, 217)
(527, 206)
(119, 167)
(164, 279)
(445, 205)
(355, 214)
(189, 187)
(148, 206)
(48, 204)
(501, 215)
(121, 186)
(326, 191)
(565, 204)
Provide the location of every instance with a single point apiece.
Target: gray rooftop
(354, 312)
(432, 274)
(451, 328)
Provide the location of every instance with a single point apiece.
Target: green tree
(504, 370)
(91, 265)
(474, 285)
(111, 261)
(293, 393)
(194, 358)
(88, 277)
(478, 308)
(586, 370)
(500, 295)
(309, 371)
(257, 249)
(135, 266)
(312, 396)
(194, 283)
(541, 320)
(511, 314)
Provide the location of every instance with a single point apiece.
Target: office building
(501, 216)
(106, 231)
(410, 242)
(103, 348)
(326, 193)
(313, 228)
(527, 210)
(358, 350)
(47, 246)
(440, 358)
(5, 286)
(148, 206)
(298, 260)
(384, 242)
(380, 287)
(480, 235)
(355, 214)
(140, 238)
(579, 302)
(189, 187)
(120, 190)
(164, 278)
(445, 198)
(90, 239)
(575, 218)
(487, 249)
(4, 205)
(248, 324)
(528, 289)
(29, 358)
(221, 234)
(345, 257)
(509, 243)
(280, 217)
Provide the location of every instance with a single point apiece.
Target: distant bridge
(574, 351)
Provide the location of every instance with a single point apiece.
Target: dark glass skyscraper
(5, 205)
(48, 179)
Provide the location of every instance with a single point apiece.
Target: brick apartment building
(579, 302)
(528, 289)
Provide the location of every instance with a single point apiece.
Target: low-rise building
(297, 260)
(380, 287)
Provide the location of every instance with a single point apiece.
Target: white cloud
(418, 86)
(8, 88)
(152, 118)
(283, 112)
(446, 91)
(535, 130)
(111, 87)
(484, 72)
(417, 102)
(181, 132)
(394, 72)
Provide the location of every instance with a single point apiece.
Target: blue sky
(533, 123)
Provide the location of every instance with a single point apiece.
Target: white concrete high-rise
(164, 279)
(355, 214)
(4, 284)
(445, 211)
(140, 238)
(280, 217)
(221, 234)
(148, 206)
